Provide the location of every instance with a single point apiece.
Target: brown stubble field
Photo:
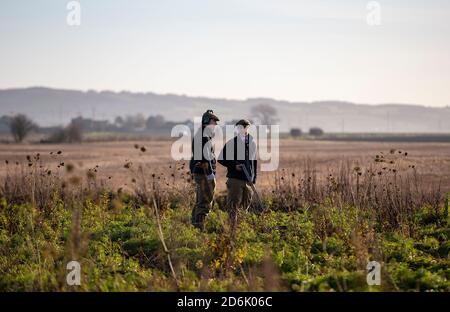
(431, 160)
(337, 204)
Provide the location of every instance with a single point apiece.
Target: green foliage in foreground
(322, 248)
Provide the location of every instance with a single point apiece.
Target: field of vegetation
(319, 232)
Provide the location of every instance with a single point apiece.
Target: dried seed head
(75, 180)
(90, 175)
(70, 167)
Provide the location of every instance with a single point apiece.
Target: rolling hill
(49, 107)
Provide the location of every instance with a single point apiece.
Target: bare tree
(134, 122)
(119, 121)
(265, 113)
(20, 127)
(296, 132)
(74, 132)
(155, 122)
(316, 131)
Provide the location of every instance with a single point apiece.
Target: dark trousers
(204, 193)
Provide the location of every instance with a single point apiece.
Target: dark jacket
(248, 159)
(200, 164)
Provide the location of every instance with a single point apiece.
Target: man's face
(241, 130)
(210, 128)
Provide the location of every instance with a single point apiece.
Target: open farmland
(122, 210)
(432, 160)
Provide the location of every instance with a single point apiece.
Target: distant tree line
(265, 114)
(297, 132)
(20, 126)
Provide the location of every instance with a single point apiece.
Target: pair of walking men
(238, 156)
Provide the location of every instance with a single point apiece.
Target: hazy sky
(294, 50)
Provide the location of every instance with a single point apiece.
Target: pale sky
(292, 50)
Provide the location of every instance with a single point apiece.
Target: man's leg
(204, 197)
(210, 190)
(234, 200)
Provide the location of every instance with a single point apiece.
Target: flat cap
(209, 115)
(243, 122)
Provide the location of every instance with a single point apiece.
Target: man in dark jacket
(238, 153)
(203, 168)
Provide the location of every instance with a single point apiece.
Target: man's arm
(223, 159)
(207, 160)
(203, 162)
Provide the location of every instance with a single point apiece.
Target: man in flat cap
(203, 168)
(239, 157)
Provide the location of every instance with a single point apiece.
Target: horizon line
(214, 98)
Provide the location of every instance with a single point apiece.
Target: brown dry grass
(432, 160)
(354, 189)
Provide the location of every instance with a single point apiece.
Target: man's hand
(203, 165)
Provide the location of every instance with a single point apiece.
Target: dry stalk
(166, 250)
